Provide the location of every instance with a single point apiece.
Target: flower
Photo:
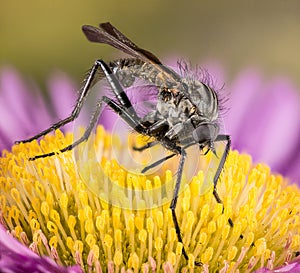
(262, 118)
(276, 106)
(17, 258)
(50, 208)
(40, 223)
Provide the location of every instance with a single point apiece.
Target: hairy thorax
(181, 105)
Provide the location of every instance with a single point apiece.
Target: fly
(186, 112)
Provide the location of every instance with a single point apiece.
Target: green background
(38, 37)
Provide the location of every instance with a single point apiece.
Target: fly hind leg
(74, 114)
(123, 108)
(89, 82)
(220, 168)
(115, 107)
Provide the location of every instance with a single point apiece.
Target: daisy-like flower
(49, 206)
(261, 117)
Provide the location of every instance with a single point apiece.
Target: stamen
(48, 206)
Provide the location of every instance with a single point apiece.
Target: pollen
(115, 220)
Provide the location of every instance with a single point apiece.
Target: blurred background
(38, 37)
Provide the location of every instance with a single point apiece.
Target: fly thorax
(185, 108)
(174, 106)
(166, 108)
(166, 103)
(204, 98)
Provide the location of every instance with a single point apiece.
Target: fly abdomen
(127, 70)
(122, 68)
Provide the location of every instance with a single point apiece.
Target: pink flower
(261, 117)
(16, 258)
(262, 120)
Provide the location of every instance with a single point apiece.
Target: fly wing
(108, 34)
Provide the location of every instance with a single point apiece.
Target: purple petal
(293, 170)
(284, 127)
(262, 121)
(293, 267)
(242, 94)
(262, 118)
(16, 258)
(20, 109)
(62, 92)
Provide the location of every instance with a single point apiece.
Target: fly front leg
(221, 164)
(220, 168)
(152, 130)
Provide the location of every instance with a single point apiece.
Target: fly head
(205, 134)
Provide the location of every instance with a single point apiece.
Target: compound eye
(205, 132)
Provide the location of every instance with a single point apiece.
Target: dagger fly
(185, 114)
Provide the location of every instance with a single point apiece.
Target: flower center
(58, 211)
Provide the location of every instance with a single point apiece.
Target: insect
(186, 112)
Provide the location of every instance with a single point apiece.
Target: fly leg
(117, 89)
(182, 153)
(152, 130)
(177, 150)
(115, 107)
(146, 146)
(89, 82)
(124, 108)
(156, 163)
(220, 168)
(84, 92)
(174, 200)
